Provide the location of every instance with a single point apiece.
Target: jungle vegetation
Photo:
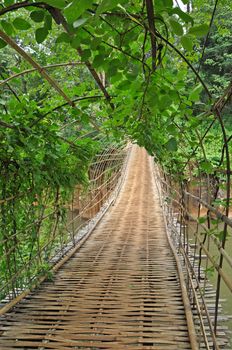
(157, 73)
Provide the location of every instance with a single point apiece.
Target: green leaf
(37, 16)
(200, 30)
(2, 43)
(163, 102)
(22, 24)
(63, 38)
(176, 27)
(194, 95)
(98, 60)
(106, 5)
(171, 145)
(48, 22)
(76, 41)
(8, 2)
(95, 43)
(112, 70)
(41, 34)
(183, 15)
(86, 54)
(77, 7)
(186, 42)
(3, 102)
(172, 129)
(163, 5)
(209, 272)
(7, 27)
(202, 220)
(79, 22)
(168, 3)
(124, 85)
(60, 4)
(220, 235)
(207, 167)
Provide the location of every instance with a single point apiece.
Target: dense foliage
(150, 70)
(144, 59)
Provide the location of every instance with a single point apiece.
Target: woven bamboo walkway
(120, 290)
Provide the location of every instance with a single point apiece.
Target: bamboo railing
(178, 215)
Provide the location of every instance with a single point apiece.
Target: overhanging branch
(151, 24)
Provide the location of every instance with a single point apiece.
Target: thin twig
(63, 105)
(207, 36)
(12, 90)
(27, 71)
(20, 5)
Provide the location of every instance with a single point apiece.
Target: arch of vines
(72, 70)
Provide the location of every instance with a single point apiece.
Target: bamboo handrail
(215, 239)
(168, 191)
(224, 276)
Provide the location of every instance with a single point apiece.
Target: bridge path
(120, 290)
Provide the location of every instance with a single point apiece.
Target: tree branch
(21, 5)
(87, 63)
(151, 24)
(120, 50)
(63, 105)
(5, 81)
(12, 90)
(188, 63)
(7, 125)
(207, 36)
(222, 101)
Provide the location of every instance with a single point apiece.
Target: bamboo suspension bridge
(121, 287)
